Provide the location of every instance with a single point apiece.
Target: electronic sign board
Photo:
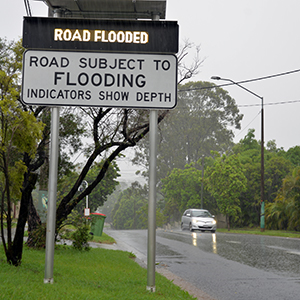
(100, 35)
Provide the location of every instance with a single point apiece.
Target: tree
(226, 180)
(19, 133)
(131, 209)
(111, 131)
(182, 190)
(112, 199)
(284, 212)
(293, 155)
(127, 211)
(276, 168)
(202, 121)
(106, 187)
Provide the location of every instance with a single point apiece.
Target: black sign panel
(100, 35)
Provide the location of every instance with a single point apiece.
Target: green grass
(280, 233)
(104, 239)
(94, 274)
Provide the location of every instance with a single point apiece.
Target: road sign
(100, 35)
(99, 79)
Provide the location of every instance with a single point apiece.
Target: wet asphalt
(225, 266)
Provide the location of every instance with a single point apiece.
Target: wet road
(225, 266)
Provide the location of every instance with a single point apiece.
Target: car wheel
(181, 226)
(213, 231)
(191, 228)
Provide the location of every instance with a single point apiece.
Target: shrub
(81, 236)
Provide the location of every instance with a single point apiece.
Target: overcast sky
(240, 40)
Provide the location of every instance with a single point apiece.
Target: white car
(198, 219)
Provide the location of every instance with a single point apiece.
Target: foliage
(284, 213)
(111, 130)
(81, 236)
(106, 187)
(101, 191)
(201, 122)
(160, 218)
(226, 180)
(38, 236)
(19, 132)
(129, 212)
(112, 199)
(131, 209)
(182, 190)
(276, 166)
(293, 155)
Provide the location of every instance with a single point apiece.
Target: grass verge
(280, 233)
(104, 239)
(94, 274)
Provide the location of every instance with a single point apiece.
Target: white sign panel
(99, 79)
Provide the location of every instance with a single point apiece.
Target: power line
(243, 81)
(271, 103)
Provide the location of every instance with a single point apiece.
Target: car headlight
(214, 222)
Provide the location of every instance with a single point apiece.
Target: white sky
(239, 40)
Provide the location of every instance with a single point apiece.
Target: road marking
(234, 242)
(293, 252)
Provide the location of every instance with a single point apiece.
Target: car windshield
(200, 213)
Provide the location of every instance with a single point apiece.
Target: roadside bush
(81, 235)
(37, 237)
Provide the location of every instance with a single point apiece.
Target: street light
(262, 170)
(84, 185)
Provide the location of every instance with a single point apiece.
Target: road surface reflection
(263, 252)
(213, 243)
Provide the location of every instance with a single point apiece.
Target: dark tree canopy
(203, 121)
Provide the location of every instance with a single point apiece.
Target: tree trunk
(33, 222)
(228, 222)
(16, 256)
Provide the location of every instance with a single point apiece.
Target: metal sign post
(151, 249)
(151, 254)
(52, 190)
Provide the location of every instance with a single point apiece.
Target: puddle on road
(165, 251)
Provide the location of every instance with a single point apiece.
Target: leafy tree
(131, 209)
(202, 121)
(182, 190)
(276, 168)
(106, 187)
(19, 132)
(226, 180)
(293, 155)
(284, 212)
(112, 199)
(111, 130)
(127, 211)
